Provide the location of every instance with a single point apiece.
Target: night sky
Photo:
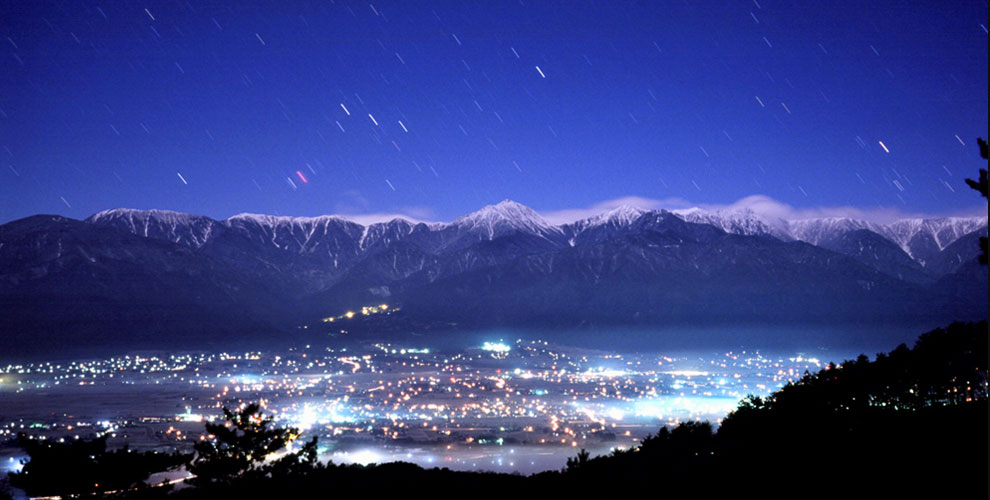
(433, 109)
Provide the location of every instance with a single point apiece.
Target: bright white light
(495, 347)
(246, 379)
(307, 418)
(14, 465)
(684, 406)
(615, 414)
(604, 372)
(686, 373)
(188, 416)
(338, 414)
(363, 457)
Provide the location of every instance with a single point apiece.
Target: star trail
(432, 109)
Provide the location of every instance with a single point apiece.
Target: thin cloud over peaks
(757, 203)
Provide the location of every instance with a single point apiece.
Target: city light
(543, 399)
(495, 347)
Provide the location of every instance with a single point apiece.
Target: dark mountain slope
(65, 284)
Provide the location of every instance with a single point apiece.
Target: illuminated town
(521, 405)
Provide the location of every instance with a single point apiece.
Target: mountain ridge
(501, 265)
(507, 216)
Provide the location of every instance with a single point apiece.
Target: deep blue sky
(104, 104)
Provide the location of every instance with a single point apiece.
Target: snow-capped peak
(504, 217)
(620, 216)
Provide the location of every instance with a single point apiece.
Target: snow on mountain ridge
(943, 230)
(285, 219)
(815, 231)
(618, 217)
(303, 234)
(905, 233)
(506, 216)
(745, 222)
(385, 232)
(622, 215)
(177, 227)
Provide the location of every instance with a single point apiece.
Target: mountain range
(148, 277)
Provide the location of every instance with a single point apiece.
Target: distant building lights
(495, 347)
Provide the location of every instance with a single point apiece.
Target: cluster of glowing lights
(365, 311)
(402, 392)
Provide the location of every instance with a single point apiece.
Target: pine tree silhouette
(981, 186)
(241, 445)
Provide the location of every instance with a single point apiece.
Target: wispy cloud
(769, 207)
(412, 214)
(758, 203)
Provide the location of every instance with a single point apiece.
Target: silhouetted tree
(82, 467)
(5, 491)
(241, 445)
(946, 367)
(580, 460)
(981, 186)
(298, 463)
